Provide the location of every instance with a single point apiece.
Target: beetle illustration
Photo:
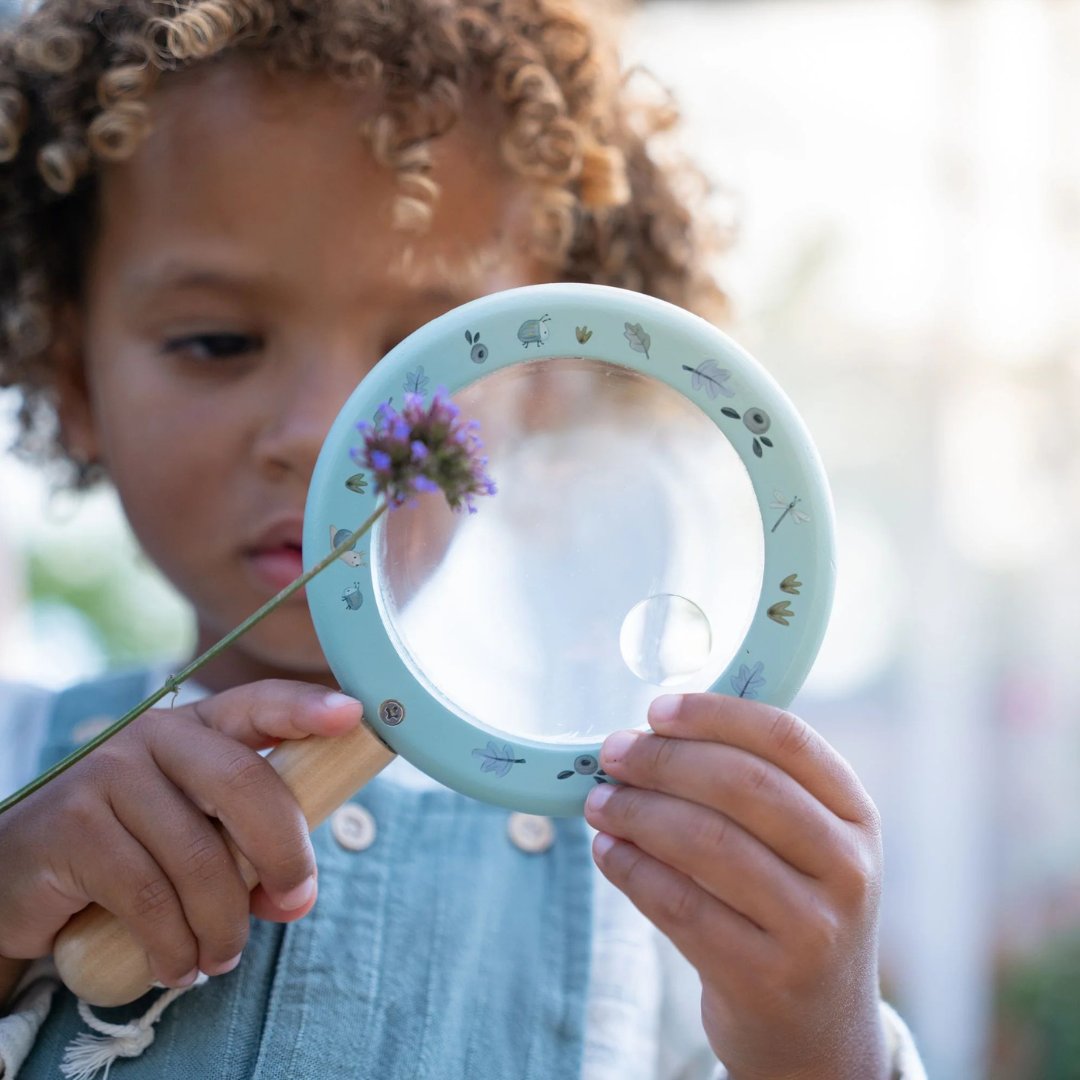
(534, 330)
(353, 597)
(479, 352)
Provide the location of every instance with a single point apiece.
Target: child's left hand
(751, 843)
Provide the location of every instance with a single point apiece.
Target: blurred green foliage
(1038, 1014)
(137, 616)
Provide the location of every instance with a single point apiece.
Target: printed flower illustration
(500, 762)
(791, 584)
(748, 681)
(710, 376)
(781, 612)
(416, 382)
(638, 338)
(757, 422)
(479, 351)
(586, 765)
(426, 448)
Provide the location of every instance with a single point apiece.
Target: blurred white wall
(906, 175)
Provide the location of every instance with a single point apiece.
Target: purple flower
(425, 448)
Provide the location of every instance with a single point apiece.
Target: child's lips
(277, 566)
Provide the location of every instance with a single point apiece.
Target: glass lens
(621, 558)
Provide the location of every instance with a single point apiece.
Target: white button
(83, 732)
(531, 832)
(353, 827)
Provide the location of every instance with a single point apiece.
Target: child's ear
(78, 433)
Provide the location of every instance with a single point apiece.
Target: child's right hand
(133, 827)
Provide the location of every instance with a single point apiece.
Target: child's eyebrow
(176, 274)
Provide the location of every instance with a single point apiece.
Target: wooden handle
(102, 963)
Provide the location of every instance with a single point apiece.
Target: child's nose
(307, 401)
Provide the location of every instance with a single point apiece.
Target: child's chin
(290, 645)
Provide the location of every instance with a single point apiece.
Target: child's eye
(214, 346)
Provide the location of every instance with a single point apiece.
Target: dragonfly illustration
(789, 508)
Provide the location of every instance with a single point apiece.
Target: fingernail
(224, 969)
(598, 797)
(338, 700)
(617, 746)
(297, 897)
(188, 979)
(664, 708)
(602, 844)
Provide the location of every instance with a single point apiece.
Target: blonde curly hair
(75, 76)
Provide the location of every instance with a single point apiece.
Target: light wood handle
(102, 963)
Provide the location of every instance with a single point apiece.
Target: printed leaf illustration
(748, 681)
(781, 612)
(500, 762)
(416, 381)
(757, 449)
(767, 442)
(565, 774)
(791, 584)
(583, 334)
(357, 483)
(468, 336)
(730, 412)
(639, 340)
(710, 376)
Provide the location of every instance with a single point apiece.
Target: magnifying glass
(662, 524)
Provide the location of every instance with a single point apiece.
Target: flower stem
(172, 684)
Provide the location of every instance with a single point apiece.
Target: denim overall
(440, 951)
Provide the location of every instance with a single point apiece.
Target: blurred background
(905, 179)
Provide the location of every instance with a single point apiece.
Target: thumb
(261, 714)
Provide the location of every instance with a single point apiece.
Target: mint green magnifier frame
(636, 332)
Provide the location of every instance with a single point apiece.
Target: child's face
(244, 278)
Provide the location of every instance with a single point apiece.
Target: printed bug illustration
(534, 331)
(586, 765)
(479, 351)
(350, 557)
(353, 597)
(583, 334)
(711, 377)
(496, 760)
(757, 422)
(788, 506)
(416, 382)
(748, 681)
(781, 613)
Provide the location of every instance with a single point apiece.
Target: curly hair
(75, 77)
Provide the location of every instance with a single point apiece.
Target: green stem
(172, 683)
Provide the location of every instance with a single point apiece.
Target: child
(217, 216)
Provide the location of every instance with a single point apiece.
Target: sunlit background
(905, 176)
